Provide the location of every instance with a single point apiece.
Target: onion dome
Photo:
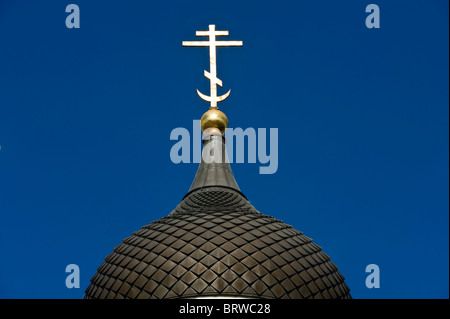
(216, 244)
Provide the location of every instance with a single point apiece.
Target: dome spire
(214, 169)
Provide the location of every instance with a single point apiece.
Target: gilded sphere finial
(214, 118)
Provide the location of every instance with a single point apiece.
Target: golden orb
(214, 118)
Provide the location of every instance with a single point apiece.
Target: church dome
(216, 244)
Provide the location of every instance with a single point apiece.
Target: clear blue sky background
(362, 114)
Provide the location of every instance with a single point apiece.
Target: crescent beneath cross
(216, 99)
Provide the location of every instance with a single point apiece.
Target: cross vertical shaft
(212, 65)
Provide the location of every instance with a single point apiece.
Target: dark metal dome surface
(215, 243)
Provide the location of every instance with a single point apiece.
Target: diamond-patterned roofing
(215, 243)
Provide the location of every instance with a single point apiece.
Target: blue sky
(362, 116)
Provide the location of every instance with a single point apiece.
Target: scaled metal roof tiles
(215, 243)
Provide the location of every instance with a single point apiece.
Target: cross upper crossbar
(216, 43)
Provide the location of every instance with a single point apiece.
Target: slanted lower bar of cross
(212, 74)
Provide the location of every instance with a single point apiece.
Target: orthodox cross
(212, 74)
